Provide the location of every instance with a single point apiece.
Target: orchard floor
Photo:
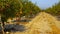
(43, 23)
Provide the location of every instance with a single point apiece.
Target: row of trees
(28, 8)
(54, 10)
(13, 8)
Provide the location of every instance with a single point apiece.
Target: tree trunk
(2, 24)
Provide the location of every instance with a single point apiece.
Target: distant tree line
(54, 10)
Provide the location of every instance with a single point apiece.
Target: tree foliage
(28, 8)
(8, 8)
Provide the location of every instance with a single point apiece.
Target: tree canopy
(28, 8)
(9, 8)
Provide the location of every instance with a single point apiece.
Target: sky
(43, 4)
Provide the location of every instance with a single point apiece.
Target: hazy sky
(45, 3)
